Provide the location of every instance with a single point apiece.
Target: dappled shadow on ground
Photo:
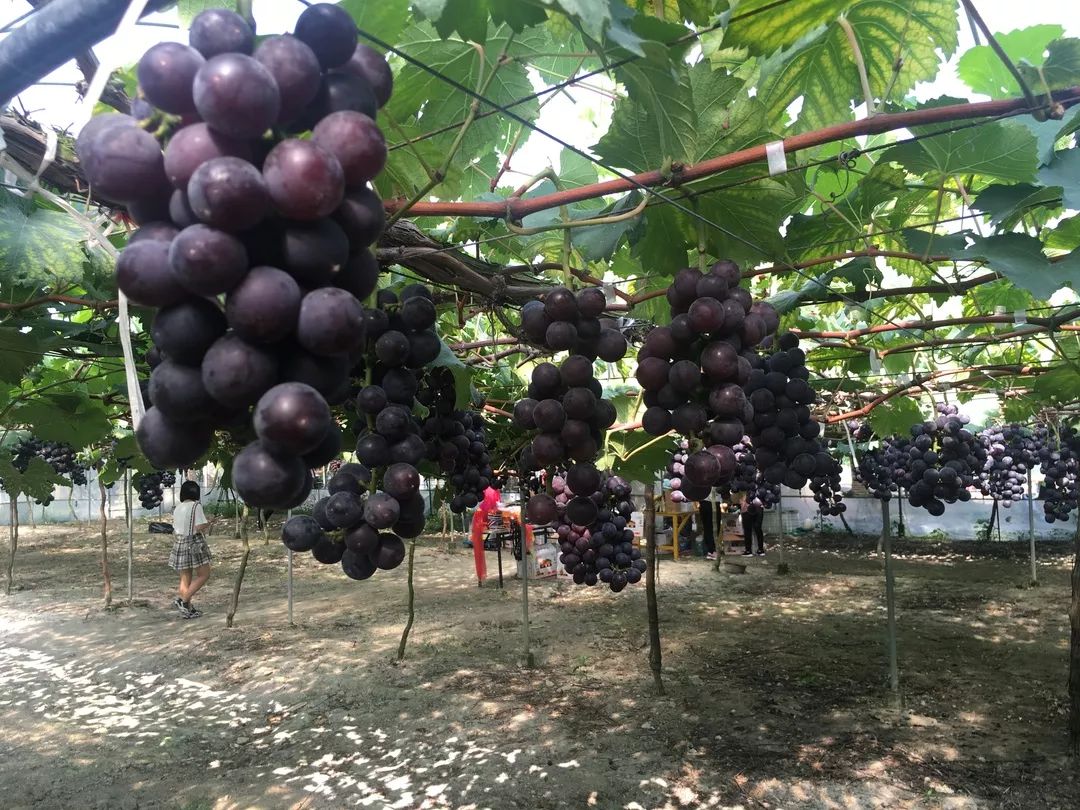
(777, 689)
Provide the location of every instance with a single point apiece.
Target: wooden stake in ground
(13, 533)
(107, 580)
(412, 600)
(890, 600)
(30, 511)
(1031, 532)
(649, 532)
(129, 514)
(782, 566)
(1074, 649)
(234, 601)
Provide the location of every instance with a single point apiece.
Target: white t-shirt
(182, 523)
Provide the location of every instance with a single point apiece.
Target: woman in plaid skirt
(189, 554)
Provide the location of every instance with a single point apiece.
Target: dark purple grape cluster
(151, 487)
(828, 494)
(875, 471)
(942, 461)
(1059, 461)
(566, 410)
(573, 322)
(1011, 453)
(676, 469)
(254, 245)
(693, 371)
(456, 441)
(784, 432)
(61, 457)
(593, 511)
(353, 528)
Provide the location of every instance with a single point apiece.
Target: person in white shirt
(190, 555)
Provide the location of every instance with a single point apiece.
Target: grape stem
(244, 9)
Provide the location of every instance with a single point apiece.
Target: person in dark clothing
(753, 519)
(708, 534)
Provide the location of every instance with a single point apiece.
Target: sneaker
(178, 603)
(748, 554)
(761, 554)
(189, 611)
(711, 555)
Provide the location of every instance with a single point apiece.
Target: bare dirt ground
(776, 687)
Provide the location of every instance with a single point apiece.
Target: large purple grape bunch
(784, 432)
(1059, 461)
(875, 471)
(943, 460)
(565, 411)
(254, 243)
(593, 528)
(1012, 452)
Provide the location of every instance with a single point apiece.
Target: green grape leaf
(599, 242)
(190, 9)
(895, 416)
(19, 351)
(1064, 172)
(385, 19)
(810, 56)
(37, 481)
(1058, 386)
(1061, 68)
(1001, 150)
(634, 454)
(71, 418)
(39, 247)
(1005, 204)
(981, 69)
(463, 392)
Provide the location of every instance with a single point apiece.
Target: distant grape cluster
(61, 457)
(151, 487)
(593, 528)
(254, 245)
(1059, 461)
(456, 441)
(826, 488)
(1011, 453)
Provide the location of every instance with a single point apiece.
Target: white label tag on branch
(774, 153)
(1020, 317)
(875, 362)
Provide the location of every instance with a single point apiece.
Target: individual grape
(338, 92)
(267, 479)
(237, 373)
(143, 274)
(401, 481)
(218, 30)
(328, 551)
(301, 533)
(228, 193)
(356, 142)
(184, 331)
(357, 565)
(345, 510)
(390, 553)
(236, 95)
(327, 374)
(329, 31)
(360, 276)
(381, 510)
(122, 163)
(314, 252)
(178, 392)
(196, 144)
(168, 444)
(207, 261)
(295, 70)
(292, 417)
(369, 64)
(180, 212)
(331, 322)
(362, 216)
(166, 72)
(305, 181)
(264, 306)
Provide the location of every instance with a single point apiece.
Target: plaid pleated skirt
(189, 552)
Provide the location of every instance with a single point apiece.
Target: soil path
(776, 685)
